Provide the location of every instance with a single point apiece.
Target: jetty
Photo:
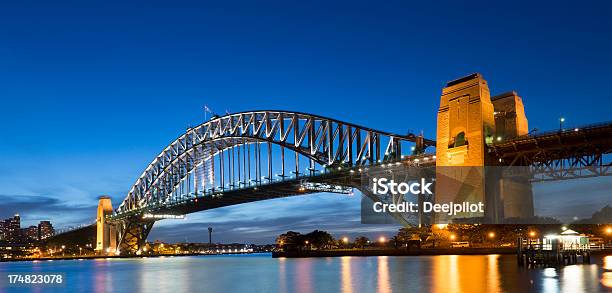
(567, 248)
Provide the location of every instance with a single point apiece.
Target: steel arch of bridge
(322, 141)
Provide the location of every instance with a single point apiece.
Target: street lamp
(561, 120)
(491, 234)
(345, 240)
(452, 237)
(382, 239)
(609, 230)
(532, 234)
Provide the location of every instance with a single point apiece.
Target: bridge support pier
(132, 235)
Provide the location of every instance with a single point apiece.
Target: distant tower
(210, 235)
(106, 239)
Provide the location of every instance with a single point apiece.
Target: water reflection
(282, 274)
(466, 273)
(103, 280)
(261, 273)
(550, 282)
(572, 280)
(304, 276)
(384, 284)
(493, 269)
(606, 278)
(347, 285)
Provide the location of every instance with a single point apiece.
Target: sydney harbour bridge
(259, 155)
(253, 156)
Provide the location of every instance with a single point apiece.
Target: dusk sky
(92, 91)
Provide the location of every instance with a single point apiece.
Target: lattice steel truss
(238, 151)
(574, 153)
(132, 234)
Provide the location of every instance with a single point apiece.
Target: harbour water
(261, 273)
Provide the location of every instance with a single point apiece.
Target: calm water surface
(261, 273)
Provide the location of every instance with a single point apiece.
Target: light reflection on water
(347, 285)
(606, 278)
(261, 273)
(384, 284)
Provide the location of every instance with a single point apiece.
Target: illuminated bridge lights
(161, 217)
(322, 187)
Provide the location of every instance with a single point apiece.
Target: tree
(407, 235)
(290, 240)
(439, 235)
(361, 241)
(319, 239)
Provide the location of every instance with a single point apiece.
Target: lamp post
(492, 238)
(561, 120)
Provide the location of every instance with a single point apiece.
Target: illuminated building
(45, 230)
(11, 229)
(30, 233)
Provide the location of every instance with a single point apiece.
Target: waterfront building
(45, 230)
(2, 235)
(10, 229)
(30, 233)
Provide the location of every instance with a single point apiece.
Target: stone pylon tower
(465, 125)
(465, 122)
(469, 121)
(514, 193)
(106, 238)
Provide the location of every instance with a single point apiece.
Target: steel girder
(132, 234)
(567, 154)
(213, 145)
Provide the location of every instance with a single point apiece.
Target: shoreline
(313, 253)
(392, 252)
(401, 252)
(90, 257)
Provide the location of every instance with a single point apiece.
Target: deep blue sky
(91, 91)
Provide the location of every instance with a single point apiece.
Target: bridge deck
(594, 140)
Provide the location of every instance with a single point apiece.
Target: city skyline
(82, 120)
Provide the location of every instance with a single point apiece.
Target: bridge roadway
(563, 154)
